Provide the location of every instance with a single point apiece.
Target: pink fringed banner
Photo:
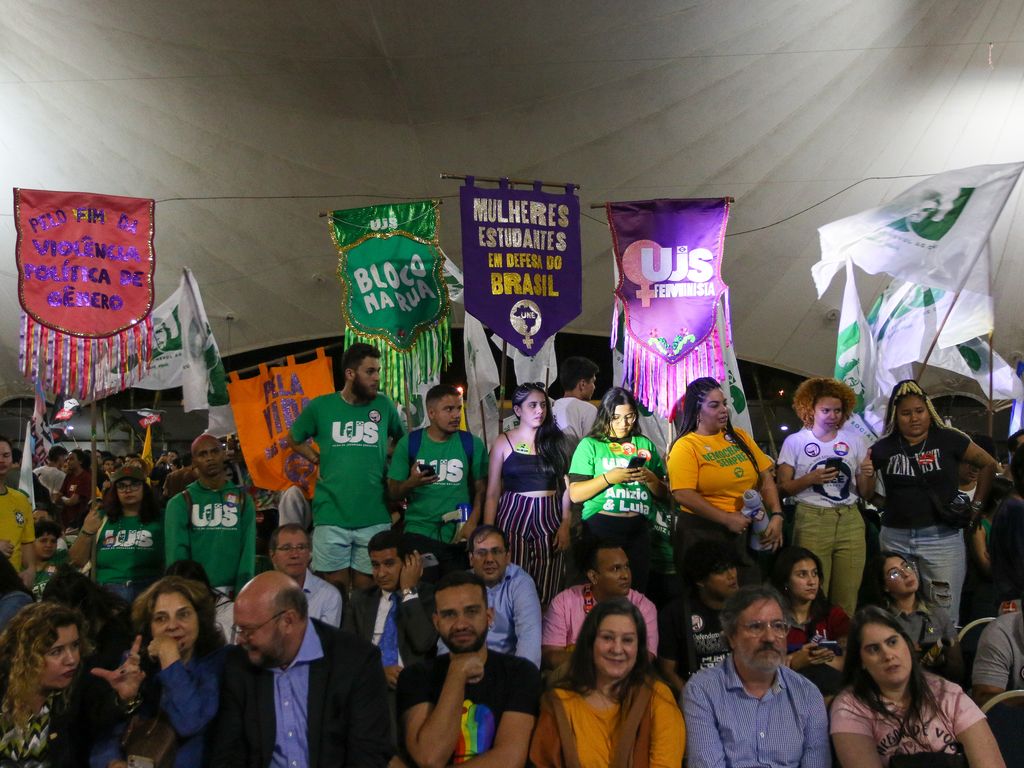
(668, 255)
(85, 283)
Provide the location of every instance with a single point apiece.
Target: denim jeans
(131, 590)
(938, 553)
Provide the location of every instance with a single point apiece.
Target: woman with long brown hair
(610, 711)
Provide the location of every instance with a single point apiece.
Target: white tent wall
(778, 104)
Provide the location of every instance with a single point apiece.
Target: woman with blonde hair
(49, 709)
(826, 467)
(918, 459)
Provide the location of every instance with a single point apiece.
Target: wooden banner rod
(602, 205)
(525, 182)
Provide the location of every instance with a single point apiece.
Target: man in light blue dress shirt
(752, 709)
(511, 595)
(291, 554)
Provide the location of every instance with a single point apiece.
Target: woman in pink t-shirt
(891, 706)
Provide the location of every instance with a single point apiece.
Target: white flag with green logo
(934, 234)
(855, 361)
(185, 355)
(731, 383)
(904, 322)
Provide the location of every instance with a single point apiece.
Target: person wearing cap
(123, 536)
(213, 521)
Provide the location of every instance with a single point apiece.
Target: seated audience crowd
(445, 602)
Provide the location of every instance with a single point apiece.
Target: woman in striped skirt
(525, 490)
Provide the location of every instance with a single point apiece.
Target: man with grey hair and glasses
(752, 709)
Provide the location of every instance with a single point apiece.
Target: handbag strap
(565, 733)
(629, 727)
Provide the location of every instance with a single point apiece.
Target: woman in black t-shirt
(917, 461)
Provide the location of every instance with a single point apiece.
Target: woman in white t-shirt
(890, 706)
(826, 467)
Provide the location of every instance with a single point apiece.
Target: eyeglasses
(630, 417)
(493, 552)
(286, 548)
(907, 569)
(238, 631)
(128, 485)
(777, 627)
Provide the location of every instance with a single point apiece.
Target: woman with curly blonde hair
(826, 466)
(48, 708)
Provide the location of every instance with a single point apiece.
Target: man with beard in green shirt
(213, 521)
(351, 429)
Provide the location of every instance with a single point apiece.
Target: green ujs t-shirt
(594, 457)
(218, 531)
(454, 484)
(129, 550)
(353, 443)
(45, 571)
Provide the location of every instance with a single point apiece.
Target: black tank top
(524, 472)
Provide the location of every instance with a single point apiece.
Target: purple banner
(669, 256)
(521, 261)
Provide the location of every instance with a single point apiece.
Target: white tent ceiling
(237, 105)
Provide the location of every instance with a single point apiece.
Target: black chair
(968, 638)
(1007, 723)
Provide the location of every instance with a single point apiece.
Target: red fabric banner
(85, 283)
(85, 261)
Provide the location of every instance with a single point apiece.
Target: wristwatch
(409, 592)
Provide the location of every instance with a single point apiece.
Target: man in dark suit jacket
(396, 577)
(284, 656)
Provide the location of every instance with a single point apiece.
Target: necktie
(389, 637)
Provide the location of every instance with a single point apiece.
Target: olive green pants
(836, 536)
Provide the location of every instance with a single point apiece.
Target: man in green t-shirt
(438, 469)
(351, 429)
(213, 521)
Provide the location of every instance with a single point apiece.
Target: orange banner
(265, 407)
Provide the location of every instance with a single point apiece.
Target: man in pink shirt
(607, 569)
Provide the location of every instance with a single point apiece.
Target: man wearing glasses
(297, 692)
(291, 554)
(752, 709)
(511, 595)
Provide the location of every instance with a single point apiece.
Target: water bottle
(753, 510)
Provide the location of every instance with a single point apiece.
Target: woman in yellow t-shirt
(610, 711)
(710, 466)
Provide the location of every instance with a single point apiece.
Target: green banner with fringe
(393, 291)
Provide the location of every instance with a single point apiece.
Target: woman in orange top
(710, 466)
(610, 711)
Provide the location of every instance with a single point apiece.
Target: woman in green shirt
(616, 473)
(123, 536)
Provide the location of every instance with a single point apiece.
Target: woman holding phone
(827, 467)
(616, 473)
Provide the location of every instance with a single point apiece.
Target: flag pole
(501, 386)
(935, 340)
(408, 399)
(991, 384)
(94, 458)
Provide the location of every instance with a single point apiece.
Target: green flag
(393, 291)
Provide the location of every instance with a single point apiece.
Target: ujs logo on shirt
(214, 515)
(364, 432)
